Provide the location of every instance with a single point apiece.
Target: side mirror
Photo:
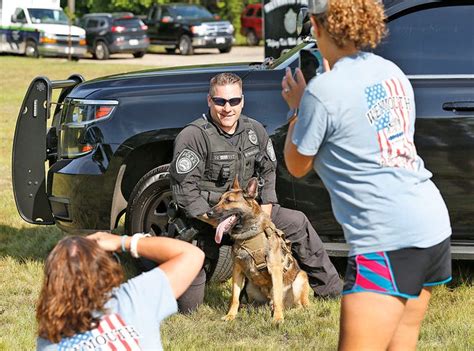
(13, 19)
(303, 24)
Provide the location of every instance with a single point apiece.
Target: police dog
(261, 255)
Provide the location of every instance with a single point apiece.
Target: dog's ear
(252, 188)
(235, 184)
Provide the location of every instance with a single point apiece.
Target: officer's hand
(293, 89)
(106, 241)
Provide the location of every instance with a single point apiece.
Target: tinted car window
(249, 12)
(165, 12)
(259, 13)
(92, 23)
(436, 40)
(153, 14)
(191, 12)
(128, 22)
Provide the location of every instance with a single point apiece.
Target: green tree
(229, 9)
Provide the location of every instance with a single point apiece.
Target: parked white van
(39, 28)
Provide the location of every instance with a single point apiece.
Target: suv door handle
(459, 106)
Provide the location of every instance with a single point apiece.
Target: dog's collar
(254, 230)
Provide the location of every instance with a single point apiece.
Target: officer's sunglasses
(221, 101)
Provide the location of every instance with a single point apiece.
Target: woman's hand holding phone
(293, 87)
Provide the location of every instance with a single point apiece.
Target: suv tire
(31, 49)
(101, 51)
(147, 212)
(225, 49)
(251, 37)
(139, 54)
(185, 45)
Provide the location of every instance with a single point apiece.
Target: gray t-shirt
(358, 119)
(135, 311)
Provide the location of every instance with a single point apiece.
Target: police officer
(210, 151)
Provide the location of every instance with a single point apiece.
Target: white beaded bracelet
(134, 243)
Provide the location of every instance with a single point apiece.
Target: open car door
(30, 151)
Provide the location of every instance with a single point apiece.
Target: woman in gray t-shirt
(355, 129)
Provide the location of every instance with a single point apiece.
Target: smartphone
(310, 63)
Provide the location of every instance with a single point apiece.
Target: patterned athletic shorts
(401, 272)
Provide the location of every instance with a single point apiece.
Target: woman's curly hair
(361, 22)
(79, 277)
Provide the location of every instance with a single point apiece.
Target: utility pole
(71, 4)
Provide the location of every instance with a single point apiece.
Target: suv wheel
(31, 49)
(185, 45)
(147, 213)
(225, 49)
(101, 51)
(139, 54)
(251, 37)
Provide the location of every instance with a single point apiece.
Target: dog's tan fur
(282, 282)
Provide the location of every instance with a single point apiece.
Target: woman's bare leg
(406, 335)
(369, 320)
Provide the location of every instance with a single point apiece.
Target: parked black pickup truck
(186, 27)
(111, 138)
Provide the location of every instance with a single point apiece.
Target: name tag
(224, 157)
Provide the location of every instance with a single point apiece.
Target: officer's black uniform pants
(308, 250)
(306, 247)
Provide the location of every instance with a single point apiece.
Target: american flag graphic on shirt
(389, 112)
(112, 334)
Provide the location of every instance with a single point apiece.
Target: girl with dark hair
(355, 129)
(84, 305)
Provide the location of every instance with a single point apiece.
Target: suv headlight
(48, 38)
(230, 29)
(199, 30)
(76, 116)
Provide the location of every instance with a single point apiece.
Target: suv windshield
(191, 12)
(48, 16)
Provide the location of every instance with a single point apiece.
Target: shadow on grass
(35, 243)
(28, 243)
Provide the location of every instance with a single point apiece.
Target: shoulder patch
(253, 137)
(270, 150)
(187, 161)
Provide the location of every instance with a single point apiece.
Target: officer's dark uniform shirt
(206, 160)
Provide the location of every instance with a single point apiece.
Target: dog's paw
(278, 320)
(228, 317)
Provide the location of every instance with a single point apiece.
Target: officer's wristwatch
(292, 114)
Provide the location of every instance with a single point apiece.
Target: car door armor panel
(29, 150)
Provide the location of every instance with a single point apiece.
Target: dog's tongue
(223, 227)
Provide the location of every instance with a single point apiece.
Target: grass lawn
(23, 247)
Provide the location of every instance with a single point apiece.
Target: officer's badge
(187, 161)
(271, 151)
(253, 137)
